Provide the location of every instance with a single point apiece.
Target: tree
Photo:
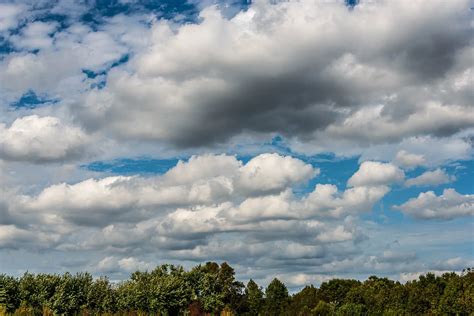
(101, 297)
(216, 287)
(304, 301)
(323, 309)
(276, 298)
(351, 309)
(71, 293)
(335, 291)
(170, 291)
(9, 293)
(253, 298)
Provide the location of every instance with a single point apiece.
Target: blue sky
(298, 139)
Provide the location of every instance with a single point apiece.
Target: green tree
(276, 298)
(323, 309)
(71, 293)
(9, 293)
(253, 298)
(335, 291)
(304, 301)
(170, 290)
(101, 297)
(216, 287)
(351, 309)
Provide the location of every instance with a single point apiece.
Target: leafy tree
(304, 301)
(216, 287)
(101, 297)
(9, 293)
(335, 291)
(71, 293)
(323, 309)
(276, 298)
(212, 289)
(351, 309)
(253, 298)
(170, 291)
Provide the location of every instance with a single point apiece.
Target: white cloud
(41, 139)
(446, 206)
(272, 172)
(408, 160)
(129, 264)
(8, 15)
(202, 84)
(36, 35)
(179, 213)
(376, 173)
(435, 177)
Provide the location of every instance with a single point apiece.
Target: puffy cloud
(41, 139)
(14, 237)
(272, 172)
(8, 15)
(448, 205)
(128, 264)
(434, 177)
(326, 201)
(203, 180)
(191, 208)
(376, 173)
(408, 160)
(36, 35)
(429, 119)
(205, 83)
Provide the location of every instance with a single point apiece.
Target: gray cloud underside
(379, 73)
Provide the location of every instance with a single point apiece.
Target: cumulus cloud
(450, 204)
(197, 211)
(408, 160)
(36, 35)
(41, 139)
(128, 264)
(270, 69)
(8, 15)
(435, 177)
(376, 173)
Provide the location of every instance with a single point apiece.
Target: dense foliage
(212, 289)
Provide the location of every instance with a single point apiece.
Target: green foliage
(335, 291)
(212, 289)
(276, 298)
(304, 301)
(71, 293)
(351, 309)
(100, 297)
(216, 287)
(253, 298)
(9, 293)
(323, 309)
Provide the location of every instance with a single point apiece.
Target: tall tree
(253, 298)
(276, 298)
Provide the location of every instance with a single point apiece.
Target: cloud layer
(299, 127)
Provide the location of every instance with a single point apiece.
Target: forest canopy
(212, 289)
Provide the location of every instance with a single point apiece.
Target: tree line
(211, 289)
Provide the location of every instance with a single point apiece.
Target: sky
(304, 140)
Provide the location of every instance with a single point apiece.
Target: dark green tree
(304, 301)
(101, 297)
(253, 298)
(9, 293)
(335, 291)
(276, 298)
(70, 296)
